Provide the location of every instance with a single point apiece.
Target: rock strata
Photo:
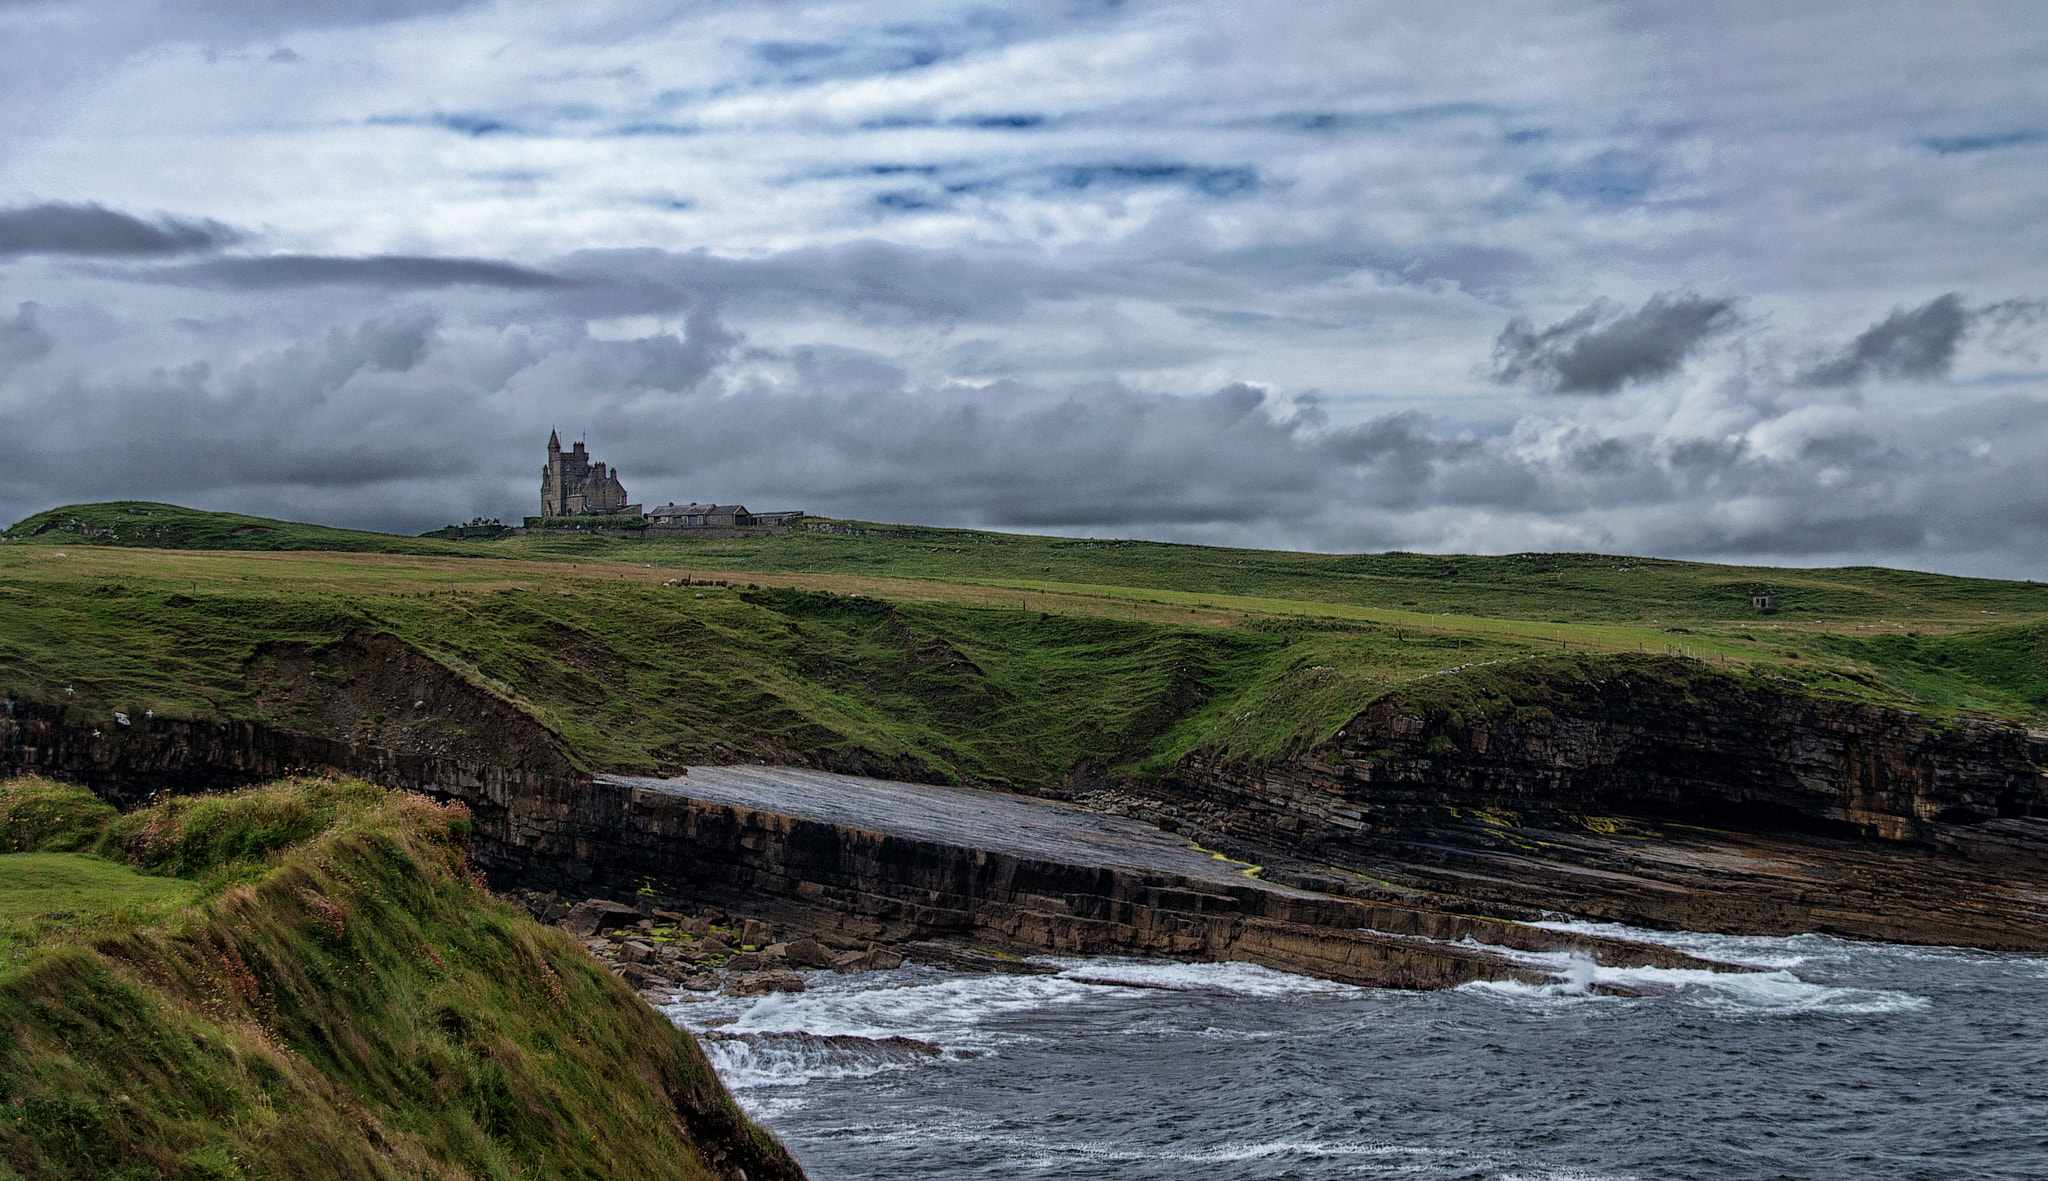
(1625, 791)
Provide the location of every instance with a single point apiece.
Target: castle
(571, 484)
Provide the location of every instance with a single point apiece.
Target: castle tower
(571, 484)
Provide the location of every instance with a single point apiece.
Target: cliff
(306, 980)
(1607, 785)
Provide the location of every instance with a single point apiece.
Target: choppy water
(1832, 1060)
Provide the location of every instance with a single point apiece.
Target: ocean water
(1828, 1059)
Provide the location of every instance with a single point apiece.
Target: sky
(1745, 282)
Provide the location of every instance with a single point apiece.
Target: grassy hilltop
(997, 659)
(304, 980)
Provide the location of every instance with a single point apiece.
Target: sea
(1822, 1059)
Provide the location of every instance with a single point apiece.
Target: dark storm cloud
(91, 230)
(1595, 352)
(389, 271)
(1910, 343)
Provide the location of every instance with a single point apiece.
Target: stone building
(715, 516)
(571, 484)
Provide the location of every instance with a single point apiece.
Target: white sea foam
(1236, 978)
(1755, 993)
(1755, 951)
(950, 1012)
(794, 1059)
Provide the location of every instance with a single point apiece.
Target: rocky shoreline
(668, 955)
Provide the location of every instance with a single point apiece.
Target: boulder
(595, 915)
(635, 952)
(808, 953)
(874, 959)
(765, 982)
(640, 977)
(758, 933)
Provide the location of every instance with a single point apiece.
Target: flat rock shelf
(907, 863)
(1021, 826)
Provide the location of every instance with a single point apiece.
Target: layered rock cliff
(1657, 790)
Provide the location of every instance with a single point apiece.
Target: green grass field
(993, 659)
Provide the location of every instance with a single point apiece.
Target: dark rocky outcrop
(1645, 792)
(1627, 793)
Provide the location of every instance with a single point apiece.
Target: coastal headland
(720, 763)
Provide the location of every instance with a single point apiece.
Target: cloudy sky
(1715, 279)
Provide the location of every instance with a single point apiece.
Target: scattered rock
(596, 915)
(765, 982)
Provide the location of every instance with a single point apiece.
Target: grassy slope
(302, 980)
(995, 659)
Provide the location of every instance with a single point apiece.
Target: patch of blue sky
(1214, 181)
(1616, 177)
(656, 128)
(478, 124)
(474, 126)
(1012, 122)
(908, 200)
(1333, 122)
(789, 53)
(1952, 145)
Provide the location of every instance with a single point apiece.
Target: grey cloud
(1596, 352)
(90, 230)
(2013, 327)
(222, 18)
(21, 340)
(1910, 343)
(389, 271)
(860, 279)
(662, 361)
(413, 416)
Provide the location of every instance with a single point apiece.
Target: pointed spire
(554, 443)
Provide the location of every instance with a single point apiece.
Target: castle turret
(571, 484)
